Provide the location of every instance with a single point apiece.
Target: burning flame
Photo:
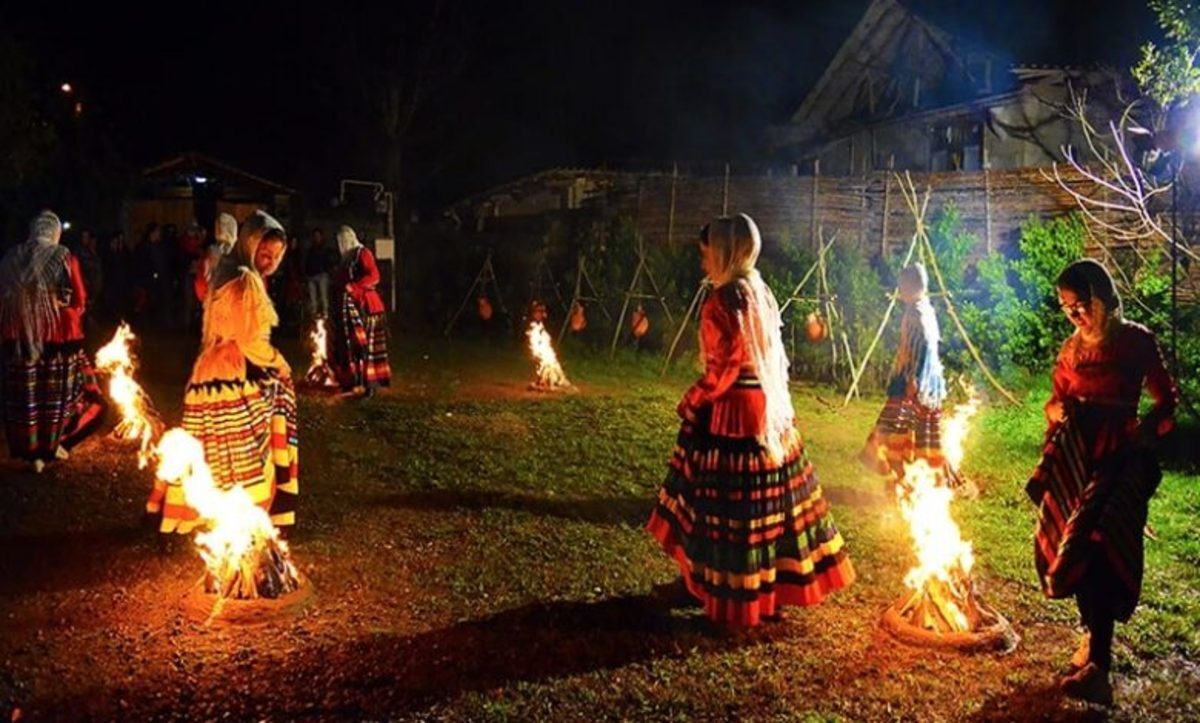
(944, 560)
(138, 419)
(319, 373)
(238, 530)
(942, 554)
(317, 340)
(550, 373)
(955, 428)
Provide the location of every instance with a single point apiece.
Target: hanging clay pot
(485, 308)
(538, 312)
(815, 327)
(578, 318)
(639, 323)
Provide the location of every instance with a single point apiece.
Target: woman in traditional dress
(1097, 471)
(909, 427)
(359, 341)
(741, 511)
(240, 401)
(51, 400)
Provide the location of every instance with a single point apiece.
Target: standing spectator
(319, 263)
(155, 283)
(117, 274)
(92, 267)
(191, 254)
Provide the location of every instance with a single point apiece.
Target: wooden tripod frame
(486, 275)
(635, 292)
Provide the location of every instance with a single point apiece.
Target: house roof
(888, 43)
(192, 163)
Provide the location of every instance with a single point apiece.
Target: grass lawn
(476, 552)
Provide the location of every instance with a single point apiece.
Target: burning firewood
(550, 374)
(319, 373)
(241, 548)
(139, 421)
(942, 607)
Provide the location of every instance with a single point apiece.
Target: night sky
(519, 86)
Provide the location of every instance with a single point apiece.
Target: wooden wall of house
(865, 209)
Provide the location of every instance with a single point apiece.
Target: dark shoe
(1090, 684)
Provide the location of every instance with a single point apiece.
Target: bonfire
(139, 421)
(942, 607)
(550, 375)
(319, 373)
(241, 548)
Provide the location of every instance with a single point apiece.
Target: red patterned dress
(750, 533)
(50, 395)
(1095, 479)
(358, 347)
(909, 427)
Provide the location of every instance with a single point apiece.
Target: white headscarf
(31, 280)
(226, 232)
(734, 245)
(347, 240)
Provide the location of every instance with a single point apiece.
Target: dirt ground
(473, 551)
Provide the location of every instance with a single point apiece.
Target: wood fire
(550, 376)
(241, 548)
(942, 607)
(319, 373)
(139, 421)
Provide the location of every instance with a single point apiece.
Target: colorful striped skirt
(54, 401)
(359, 352)
(1092, 509)
(249, 432)
(906, 431)
(749, 535)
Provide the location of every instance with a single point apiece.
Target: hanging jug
(639, 323)
(578, 318)
(815, 327)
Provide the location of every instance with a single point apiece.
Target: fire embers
(319, 373)
(139, 421)
(550, 375)
(241, 549)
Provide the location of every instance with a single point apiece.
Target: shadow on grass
(1177, 451)
(632, 511)
(67, 560)
(1042, 702)
(388, 673)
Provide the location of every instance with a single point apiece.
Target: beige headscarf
(734, 245)
(347, 240)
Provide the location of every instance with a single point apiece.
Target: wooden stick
(693, 308)
(811, 270)
(466, 300)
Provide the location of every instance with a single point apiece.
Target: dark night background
(509, 88)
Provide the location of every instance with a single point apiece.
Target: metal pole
(391, 208)
(1175, 273)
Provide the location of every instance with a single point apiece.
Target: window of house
(956, 145)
